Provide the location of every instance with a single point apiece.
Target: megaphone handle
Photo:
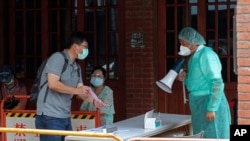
(184, 93)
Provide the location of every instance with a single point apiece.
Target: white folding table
(134, 127)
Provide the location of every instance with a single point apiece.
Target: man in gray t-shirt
(54, 100)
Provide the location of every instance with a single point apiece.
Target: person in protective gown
(207, 101)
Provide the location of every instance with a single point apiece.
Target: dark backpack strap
(66, 62)
(63, 69)
(40, 71)
(78, 70)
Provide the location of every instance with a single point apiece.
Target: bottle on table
(158, 120)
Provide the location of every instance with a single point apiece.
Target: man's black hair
(75, 37)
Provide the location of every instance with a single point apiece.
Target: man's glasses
(84, 46)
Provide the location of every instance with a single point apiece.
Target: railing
(60, 133)
(8, 117)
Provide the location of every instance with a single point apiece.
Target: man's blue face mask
(84, 54)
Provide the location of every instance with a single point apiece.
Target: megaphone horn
(166, 82)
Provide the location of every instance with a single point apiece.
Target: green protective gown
(206, 93)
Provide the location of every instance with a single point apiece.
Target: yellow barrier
(94, 116)
(60, 133)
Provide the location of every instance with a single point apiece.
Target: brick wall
(243, 60)
(139, 61)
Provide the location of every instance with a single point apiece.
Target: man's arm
(55, 84)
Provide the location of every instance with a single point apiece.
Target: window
(42, 26)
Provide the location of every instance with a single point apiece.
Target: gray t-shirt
(58, 104)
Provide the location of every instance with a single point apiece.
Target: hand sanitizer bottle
(104, 129)
(158, 120)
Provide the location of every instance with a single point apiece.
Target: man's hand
(210, 116)
(83, 93)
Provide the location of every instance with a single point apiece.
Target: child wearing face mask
(104, 93)
(11, 86)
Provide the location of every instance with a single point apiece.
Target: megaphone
(166, 83)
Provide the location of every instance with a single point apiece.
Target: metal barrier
(24, 119)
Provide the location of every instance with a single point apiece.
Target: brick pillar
(139, 61)
(243, 60)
